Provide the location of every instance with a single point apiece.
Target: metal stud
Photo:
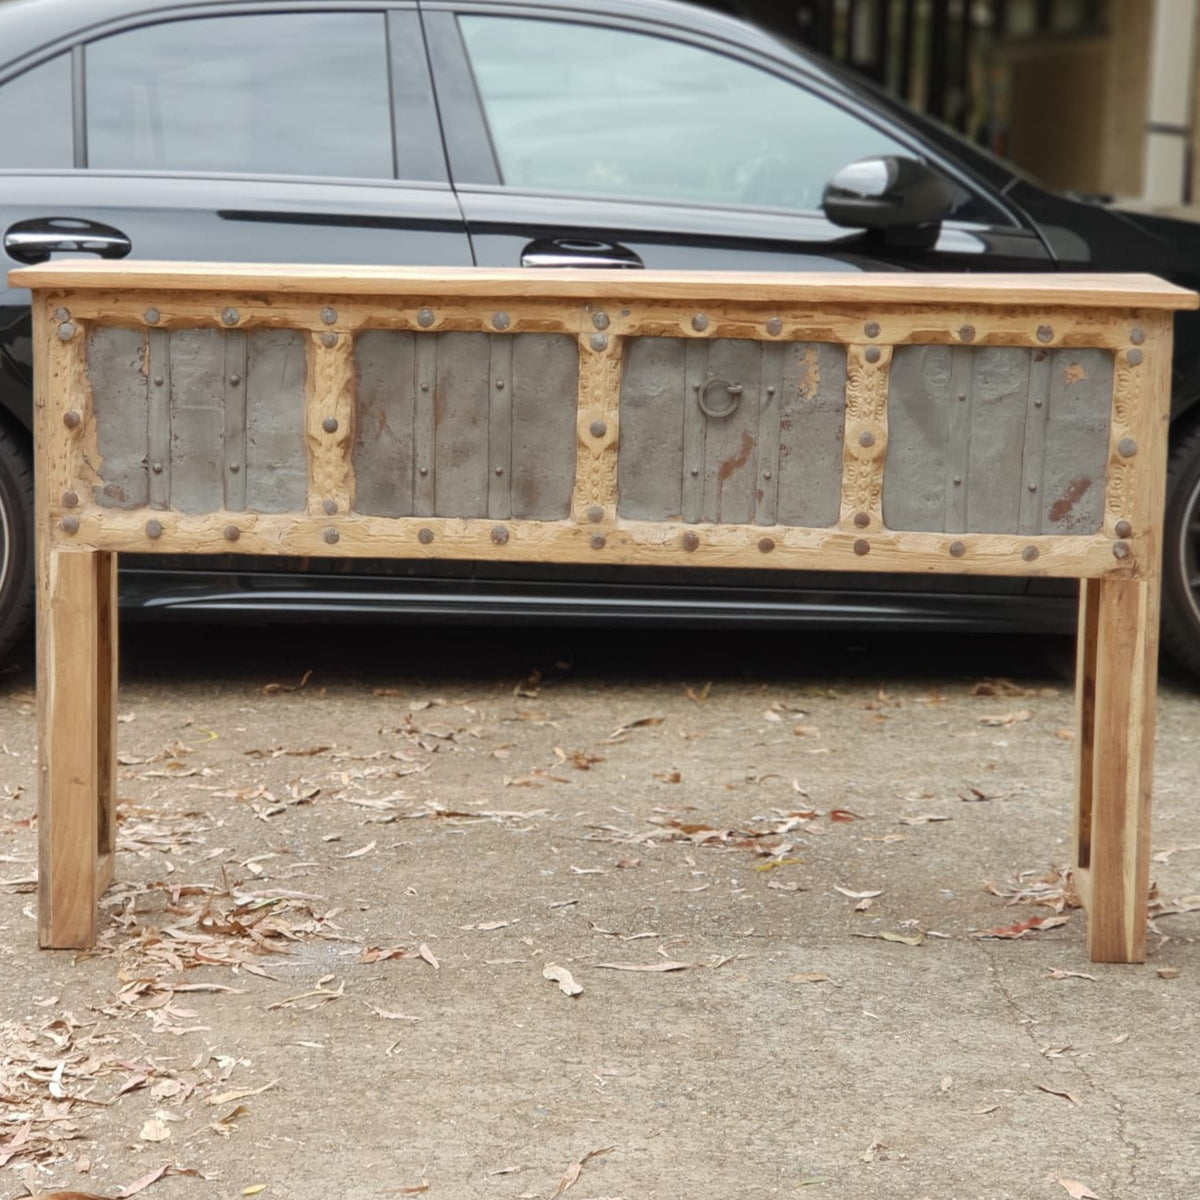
(499, 385)
(71, 419)
(958, 549)
(1029, 553)
(331, 535)
(871, 354)
(599, 342)
(158, 381)
(499, 535)
(600, 320)
(232, 533)
(766, 474)
(861, 547)
(70, 525)
(595, 514)
(330, 424)
(230, 316)
(329, 340)
(70, 500)
(1045, 333)
(1133, 357)
(425, 317)
(66, 330)
(329, 506)
(693, 471)
(966, 333)
(425, 536)
(866, 438)
(234, 468)
(497, 471)
(62, 314)
(1124, 529)
(1127, 447)
(699, 322)
(690, 541)
(500, 320)
(862, 519)
(1032, 487)
(329, 315)
(597, 541)
(153, 316)
(766, 545)
(774, 326)
(154, 528)
(871, 329)
(1121, 550)
(157, 468)
(1137, 336)
(423, 470)
(235, 380)
(597, 429)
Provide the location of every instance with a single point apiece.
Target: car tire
(16, 540)
(1181, 554)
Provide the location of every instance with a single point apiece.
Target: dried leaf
(907, 939)
(640, 723)
(1168, 973)
(571, 1174)
(924, 819)
(858, 895)
(487, 926)
(1005, 720)
(665, 965)
(1058, 973)
(239, 1094)
(843, 814)
(143, 1183)
(809, 977)
(1075, 1189)
(361, 851)
(424, 951)
(154, 1130)
(564, 979)
(1021, 928)
(1055, 1092)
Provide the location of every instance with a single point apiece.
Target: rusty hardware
(331, 535)
(597, 429)
(1127, 447)
(861, 547)
(500, 320)
(766, 545)
(1121, 550)
(230, 316)
(597, 541)
(70, 524)
(71, 419)
(1133, 357)
(425, 536)
(690, 541)
(862, 519)
(153, 316)
(232, 533)
(871, 354)
(966, 333)
(329, 506)
(600, 320)
(1137, 336)
(735, 395)
(154, 528)
(1029, 553)
(871, 329)
(599, 342)
(329, 315)
(958, 549)
(329, 340)
(1124, 529)
(70, 500)
(866, 438)
(330, 424)
(66, 330)
(499, 535)
(425, 317)
(699, 322)
(1045, 333)
(595, 514)
(774, 326)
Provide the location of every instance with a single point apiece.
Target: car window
(287, 94)
(589, 109)
(35, 117)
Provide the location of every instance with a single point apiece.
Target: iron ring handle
(735, 396)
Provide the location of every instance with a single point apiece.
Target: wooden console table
(971, 424)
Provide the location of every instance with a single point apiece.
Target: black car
(504, 133)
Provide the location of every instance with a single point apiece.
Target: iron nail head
(600, 320)
(331, 535)
(425, 317)
(230, 316)
(599, 342)
(597, 429)
(70, 525)
(871, 354)
(425, 536)
(1127, 447)
(330, 424)
(500, 320)
(329, 315)
(154, 528)
(1124, 529)
(152, 316)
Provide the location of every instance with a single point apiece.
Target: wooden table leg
(77, 654)
(1115, 693)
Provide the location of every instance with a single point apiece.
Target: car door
(586, 140)
(240, 135)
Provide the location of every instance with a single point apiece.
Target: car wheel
(1181, 553)
(16, 539)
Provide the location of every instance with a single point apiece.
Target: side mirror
(887, 193)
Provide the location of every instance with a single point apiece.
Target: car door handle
(34, 241)
(578, 252)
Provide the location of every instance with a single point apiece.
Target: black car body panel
(439, 196)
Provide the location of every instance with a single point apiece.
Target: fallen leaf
(858, 895)
(665, 965)
(424, 951)
(809, 977)
(254, 1189)
(1075, 1189)
(154, 1130)
(573, 1171)
(1168, 973)
(487, 926)
(1041, 1087)
(360, 852)
(924, 819)
(700, 696)
(908, 939)
(1058, 973)
(843, 814)
(640, 723)
(240, 1094)
(1021, 928)
(1005, 720)
(564, 979)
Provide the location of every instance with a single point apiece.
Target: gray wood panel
(383, 453)
(774, 455)
(197, 407)
(545, 384)
(117, 368)
(275, 473)
(971, 430)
